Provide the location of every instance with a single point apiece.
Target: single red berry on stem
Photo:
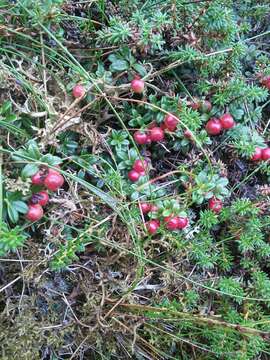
(215, 205)
(171, 222)
(266, 154)
(182, 222)
(78, 91)
(54, 180)
(141, 138)
(134, 175)
(34, 213)
(140, 166)
(40, 198)
(206, 106)
(227, 121)
(171, 122)
(137, 85)
(156, 134)
(195, 105)
(265, 81)
(213, 127)
(145, 207)
(154, 208)
(257, 155)
(188, 134)
(152, 226)
(38, 178)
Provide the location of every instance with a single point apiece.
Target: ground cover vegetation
(134, 179)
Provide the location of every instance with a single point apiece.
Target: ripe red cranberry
(134, 175)
(227, 121)
(195, 105)
(215, 205)
(137, 85)
(54, 180)
(140, 137)
(156, 134)
(266, 154)
(171, 122)
(206, 106)
(187, 134)
(38, 178)
(78, 91)
(182, 222)
(154, 208)
(145, 207)
(140, 166)
(257, 154)
(40, 198)
(171, 222)
(213, 127)
(265, 81)
(34, 213)
(152, 226)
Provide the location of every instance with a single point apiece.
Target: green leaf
(6, 107)
(51, 159)
(20, 206)
(11, 117)
(119, 65)
(13, 214)
(29, 170)
(166, 212)
(140, 69)
(33, 150)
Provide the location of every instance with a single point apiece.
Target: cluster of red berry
(52, 180)
(261, 154)
(139, 168)
(172, 222)
(215, 126)
(156, 133)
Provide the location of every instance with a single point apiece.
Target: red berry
(215, 205)
(266, 82)
(78, 91)
(171, 122)
(171, 222)
(38, 178)
(141, 138)
(195, 105)
(213, 127)
(266, 154)
(154, 208)
(152, 226)
(257, 154)
(227, 121)
(187, 134)
(206, 106)
(35, 212)
(40, 198)
(156, 134)
(152, 125)
(145, 207)
(54, 180)
(182, 222)
(140, 166)
(137, 85)
(133, 175)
